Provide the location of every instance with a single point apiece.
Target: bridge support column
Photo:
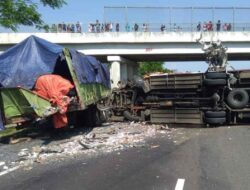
(121, 70)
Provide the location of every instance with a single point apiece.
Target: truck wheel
(215, 121)
(216, 75)
(97, 118)
(215, 114)
(215, 82)
(238, 98)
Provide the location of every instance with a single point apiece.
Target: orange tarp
(55, 88)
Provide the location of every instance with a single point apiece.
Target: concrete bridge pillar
(121, 70)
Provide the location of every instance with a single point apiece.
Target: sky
(88, 11)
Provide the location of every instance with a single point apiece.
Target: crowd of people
(108, 27)
(98, 27)
(209, 26)
(103, 27)
(63, 27)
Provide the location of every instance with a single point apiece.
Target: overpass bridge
(124, 49)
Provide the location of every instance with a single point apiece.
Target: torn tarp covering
(89, 69)
(22, 64)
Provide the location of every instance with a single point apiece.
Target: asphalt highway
(217, 158)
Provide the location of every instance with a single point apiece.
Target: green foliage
(24, 12)
(53, 3)
(151, 67)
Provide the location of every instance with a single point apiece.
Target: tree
(151, 67)
(24, 12)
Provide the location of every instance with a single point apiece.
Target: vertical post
(170, 18)
(233, 18)
(191, 19)
(104, 17)
(213, 14)
(126, 14)
(213, 17)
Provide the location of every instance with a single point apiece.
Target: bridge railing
(130, 27)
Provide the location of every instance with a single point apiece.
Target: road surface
(217, 158)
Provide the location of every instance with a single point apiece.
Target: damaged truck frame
(215, 97)
(20, 104)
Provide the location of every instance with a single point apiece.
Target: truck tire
(238, 98)
(215, 114)
(215, 121)
(215, 82)
(216, 75)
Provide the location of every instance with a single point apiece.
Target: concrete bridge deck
(142, 46)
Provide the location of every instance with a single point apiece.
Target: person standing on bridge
(204, 27)
(117, 27)
(136, 27)
(68, 27)
(98, 26)
(225, 26)
(198, 27)
(89, 28)
(103, 28)
(127, 27)
(163, 27)
(218, 25)
(64, 27)
(78, 27)
(210, 26)
(110, 27)
(72, 28)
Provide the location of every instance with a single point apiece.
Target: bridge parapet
(142, 46)
(128, 37)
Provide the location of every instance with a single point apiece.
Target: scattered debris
(117, 136)
(19, 140)
(154, 146)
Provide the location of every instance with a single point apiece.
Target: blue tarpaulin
(22, 64)
(89, 70)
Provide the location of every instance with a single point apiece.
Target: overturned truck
(39, 80)
(215, 97)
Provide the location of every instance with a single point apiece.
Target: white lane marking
(180, 184)
(9, 170)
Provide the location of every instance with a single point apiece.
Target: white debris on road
(108, 138)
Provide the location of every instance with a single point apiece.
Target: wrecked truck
(34, 71)
(216, 97)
